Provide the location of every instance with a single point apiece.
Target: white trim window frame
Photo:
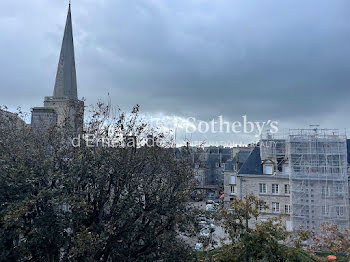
(275, 189)
(287, 209)
(275, 207)
(287, 189)
(262, 207)
(262, 188)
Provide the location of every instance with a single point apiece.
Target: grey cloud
(284, 60)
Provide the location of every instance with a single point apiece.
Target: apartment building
(259, 177)
(303, 178)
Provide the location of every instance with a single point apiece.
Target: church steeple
(63, 108)
(66, 80)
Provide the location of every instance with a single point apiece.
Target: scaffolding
(317, 161)
(272, 148)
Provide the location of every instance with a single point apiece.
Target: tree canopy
(61, 202)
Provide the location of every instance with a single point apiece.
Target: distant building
(43, 117)
(209, 165)
(8, 118)
(303, 179)
(319, 178)
(255, 176)
(63, 108)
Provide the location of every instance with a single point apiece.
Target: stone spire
(66, 80)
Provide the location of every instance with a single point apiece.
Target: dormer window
(268, 169)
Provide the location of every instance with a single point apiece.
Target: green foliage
(253, 241)
(333, 240)
(65, 203)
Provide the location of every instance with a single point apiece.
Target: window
(233, 189)
(325, 210)
(262, 188)
(275, 189)
(262, 207)
(339, 211)
(275, 207)
(286, 189)
(287, 209)
(232, 180)
(268, 169)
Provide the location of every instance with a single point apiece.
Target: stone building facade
(63, 108)
(272, 188)
(302, 179)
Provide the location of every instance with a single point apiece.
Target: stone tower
(63, 107)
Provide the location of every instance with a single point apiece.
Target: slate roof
(243, 155)
(252, 166)
(217, 155)
(229, 165)
(213, 159)
(66, 80)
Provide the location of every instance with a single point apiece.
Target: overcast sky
(287, 60)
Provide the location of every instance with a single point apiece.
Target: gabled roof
(252, 166)
(66, 80)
